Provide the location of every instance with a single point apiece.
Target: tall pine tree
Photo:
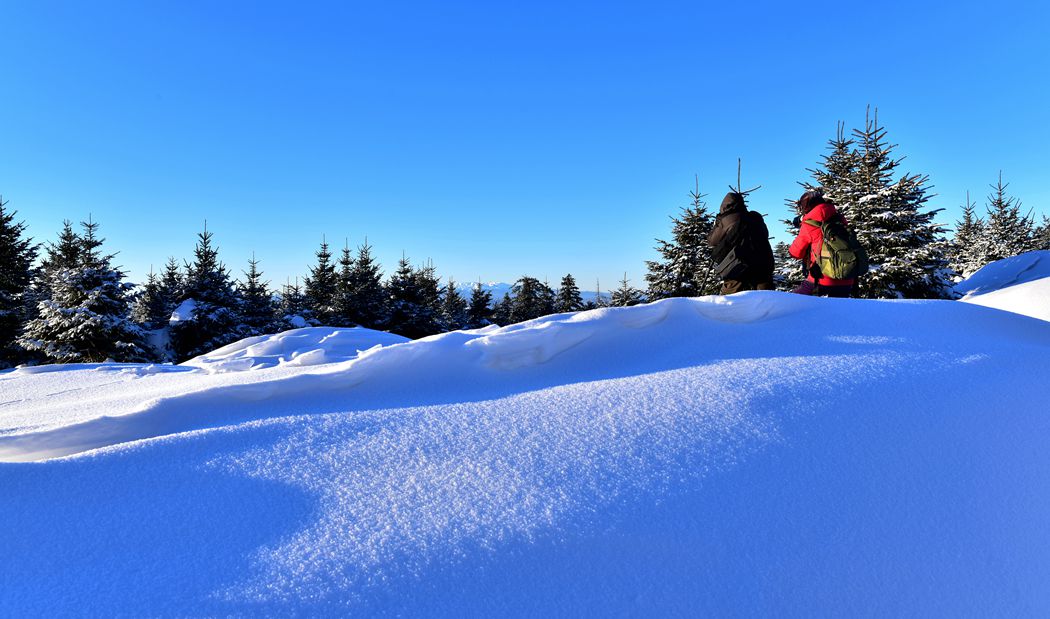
(367, 303)
(258, 312)
(454, 314)
(969, 244)
(17, 253)
(626, 295)
(479, 311)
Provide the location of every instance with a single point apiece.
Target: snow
(1021, 269)
(759, 454)
(1020, 284)
(184, 312)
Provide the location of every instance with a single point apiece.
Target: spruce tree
(528, 300)
(454, 315)
(906, 248)
(501, 311)
(84, 318)
(568, 299)
(344, 302)
(211, 317)
(479, 312)
(969, 245)
(368, 300)
(428, 319)
(17, 253)
(258, 312)
(292, 306)
(1007, 232)
(626, 295)
(787, 272)
(685, 268)
(321, 289)
(149, 308)
(1042, 235)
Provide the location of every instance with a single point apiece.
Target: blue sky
(496, 139)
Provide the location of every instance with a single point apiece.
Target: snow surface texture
(1027, 267)
(760, 454)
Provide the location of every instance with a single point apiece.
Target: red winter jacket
(809, 238)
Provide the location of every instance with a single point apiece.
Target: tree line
(75, 305)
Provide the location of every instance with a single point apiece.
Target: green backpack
(841, 255)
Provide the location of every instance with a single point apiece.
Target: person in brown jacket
(738, 228)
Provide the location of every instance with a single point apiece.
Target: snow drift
(757, 454)
(1020, 284)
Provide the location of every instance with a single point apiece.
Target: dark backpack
(841, 254)
(733, 255)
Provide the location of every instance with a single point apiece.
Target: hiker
(817, 212)
(740, 247)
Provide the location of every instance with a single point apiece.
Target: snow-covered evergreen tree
(171, 285)
(17, 253)
(969, 244)
(208, 314)
(367, 303)
(321, 289)
(428, 319)
(685, 268)
(528, 300)
(149, 308)
(479, 311)
(787, 272)
(454, 314)
(1042, 234)
(906, 248)
(344, 287)
(568, 299)
(1007, 232)
(258, 312)
(501, 311)
(414, 299)
(292, 306)
(85, 315)
(626, 295)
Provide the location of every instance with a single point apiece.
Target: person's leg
(840, 292)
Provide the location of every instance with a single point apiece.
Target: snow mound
(1008, 272)
(308, 346)
(760, 454)
(1029, 299)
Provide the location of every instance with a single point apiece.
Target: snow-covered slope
(761, 454)
(1030, 299)
(1027, 267)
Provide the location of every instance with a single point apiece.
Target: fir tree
(626, 295)
(258, 312)
(209, 318)
(414, 300)
(321, 289)
(685, 268)
(344, 302)
(85, 316)
(292, 305)
(479, 312)
(149, 308)
(428, 318)
(65, 254)
(1042, 235)
(501, 312)
(787, 273)
(969, 244)
(528, 300)
(906, 248)
(368, 299)
(1007, 232)
(454, 314)
(17, 253)
(568, 299)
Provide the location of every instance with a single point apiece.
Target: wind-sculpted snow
(760, 454)
(1027, 267)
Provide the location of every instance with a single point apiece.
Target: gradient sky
(497, 139)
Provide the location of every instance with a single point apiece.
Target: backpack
(732, 255)
(841, 254)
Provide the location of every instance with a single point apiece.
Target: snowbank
(1030, 299)
(760, 454)
(1027, 267)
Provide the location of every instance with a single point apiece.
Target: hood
(733, 202)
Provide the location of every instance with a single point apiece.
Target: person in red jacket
(807, 245)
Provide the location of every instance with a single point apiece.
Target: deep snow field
(763, 454)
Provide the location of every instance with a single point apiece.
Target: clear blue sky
(497, 139)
